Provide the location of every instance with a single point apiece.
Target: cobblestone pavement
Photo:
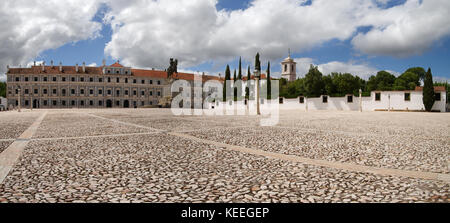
(140, 165)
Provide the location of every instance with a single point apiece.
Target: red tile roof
(436, 88)
(117, 64)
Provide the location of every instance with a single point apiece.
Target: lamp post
(257, 76)
(360, 100)
(18, 100)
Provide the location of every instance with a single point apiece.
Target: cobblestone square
(149, 155)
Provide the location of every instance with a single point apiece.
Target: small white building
(409, 100)
(3, 103)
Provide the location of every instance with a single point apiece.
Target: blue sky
(436, 55)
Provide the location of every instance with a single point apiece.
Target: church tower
(289, 68)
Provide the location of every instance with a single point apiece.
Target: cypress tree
(240, 69)
(257, 63)
(428, 91)
(234, 86)
(269, 84)
(227, 78)
(247, 89)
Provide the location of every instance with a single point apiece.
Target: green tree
(247, 89)
(313, 82)
(269, 83)
(234, 87)
(240, 69)
(2, 89)
(428, 91)
(227, 78)
(417, 70)
(407, 81)
(383, 81)
(257, 63)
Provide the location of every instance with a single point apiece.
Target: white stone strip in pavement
(7, 140)
(127, 123)
(95, 136)
(11, 154)
(315, 162)
(324, 163)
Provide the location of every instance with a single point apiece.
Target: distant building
(289, 69)
(113, 86)
(3, 104)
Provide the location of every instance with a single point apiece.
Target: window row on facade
(41, 78)
(42, 103)
(99, 91)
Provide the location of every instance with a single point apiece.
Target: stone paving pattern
(157, 167)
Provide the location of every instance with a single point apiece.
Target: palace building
(113, 86)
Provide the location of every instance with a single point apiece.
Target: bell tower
(289, 68)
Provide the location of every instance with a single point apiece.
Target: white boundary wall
(389, 100)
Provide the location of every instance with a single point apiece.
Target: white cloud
(92, 65)
(147, 33)
(404, 30)
(29, 27)
(362, 70)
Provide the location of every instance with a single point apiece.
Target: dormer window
(117, 72)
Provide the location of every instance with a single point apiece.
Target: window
(64, 79)
(54, 103)
(150, 102)
(126, 80)
(142, 103)
(142, 81)
(36, 91)
(281, 101)
(17, 79)
(437, 97)
(407, 96)
(81, 91)
(117, 92)
(45, 79)
(109, 79)
(26, 91)
(100, 91)
(109, 91)
(377, 96)
(91, 79)
(100, 80)
(63, 92)
(91, 103)
(26, 102)
(82, 79)
(159, 93)
(54, 79)
(45, 103)
(350, 99)
(142, 93)
(151, 81)
(44, 91)
(72, 91)
(301, 100)
(100, 103)
(63, 103)
(73, 79)
(126, 92)
(26, 79)
(292, 67)
(117, 103)
(285, 68)
(159, 82)
(134, 81)
(91, 91)
(36, 79)
(151, 93)
(82, 103)
(109, 71)
(73, 103)
(117, 72)
(117, 80)
(54, 91)
(324, 99)
(135, 93)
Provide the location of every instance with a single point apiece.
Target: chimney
(34, 63)
(60, 67)
(84, 67)
(43, 66)
(7, 68)
(76, 68)
(51, 63)
(104, 62)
